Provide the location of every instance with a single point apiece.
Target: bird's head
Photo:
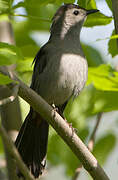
(70, 15)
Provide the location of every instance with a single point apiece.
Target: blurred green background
(31, 20)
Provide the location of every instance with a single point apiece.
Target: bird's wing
(40, 62)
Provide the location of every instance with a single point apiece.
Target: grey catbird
(60, 72)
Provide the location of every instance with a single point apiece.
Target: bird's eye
(76, 12)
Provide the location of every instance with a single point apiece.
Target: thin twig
(63, 129)
(77, 172)
(12, 150)
(10, 113)
(12, 97)
(93, 135)
(32, 17)
(90, 145)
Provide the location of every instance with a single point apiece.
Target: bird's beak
(91, 11)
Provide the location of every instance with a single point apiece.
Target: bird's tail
(32, 141)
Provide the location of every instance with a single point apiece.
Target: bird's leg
(59, 111)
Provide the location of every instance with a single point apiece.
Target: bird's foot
(55, 108)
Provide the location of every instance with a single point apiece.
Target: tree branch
(90, 145)
(63, 129)
(14, 154)
(92, 138)
(77, 172)
(12, 97)
(10, 112)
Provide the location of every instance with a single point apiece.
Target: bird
(60, 72)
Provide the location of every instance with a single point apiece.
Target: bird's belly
(67, 80)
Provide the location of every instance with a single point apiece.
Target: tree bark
(10, 113)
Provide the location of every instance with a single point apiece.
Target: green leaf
(90, 102)
(91, 4)
(25, 65)
(35, 3)
(97, 19)
(114, 36)
(104, 147)
(109, 3)
(103, 78)
(19, 4)
(4, 6)
(9, 54)
(104, 101)
(112, 45)
(93, 56)
(39, 12)
(29, 50)
(111, 37)
(38, 3)
(24, 69)
(4, 17)
(97, 98)
(88, 4)
(82, 3)
(27, 45)
(4, 79)
(1, 147)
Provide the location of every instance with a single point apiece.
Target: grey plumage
(65, 69)
(60, 72)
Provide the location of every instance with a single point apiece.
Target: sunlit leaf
(114, 36)
(24, 69)
(4, 6)
(104, 101)
(4, 17)
(88, 4)
(90, 102)
(97, 19)
(103, 78)
(91, 4)
(25, 65)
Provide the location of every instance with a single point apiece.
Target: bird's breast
(73, 72)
